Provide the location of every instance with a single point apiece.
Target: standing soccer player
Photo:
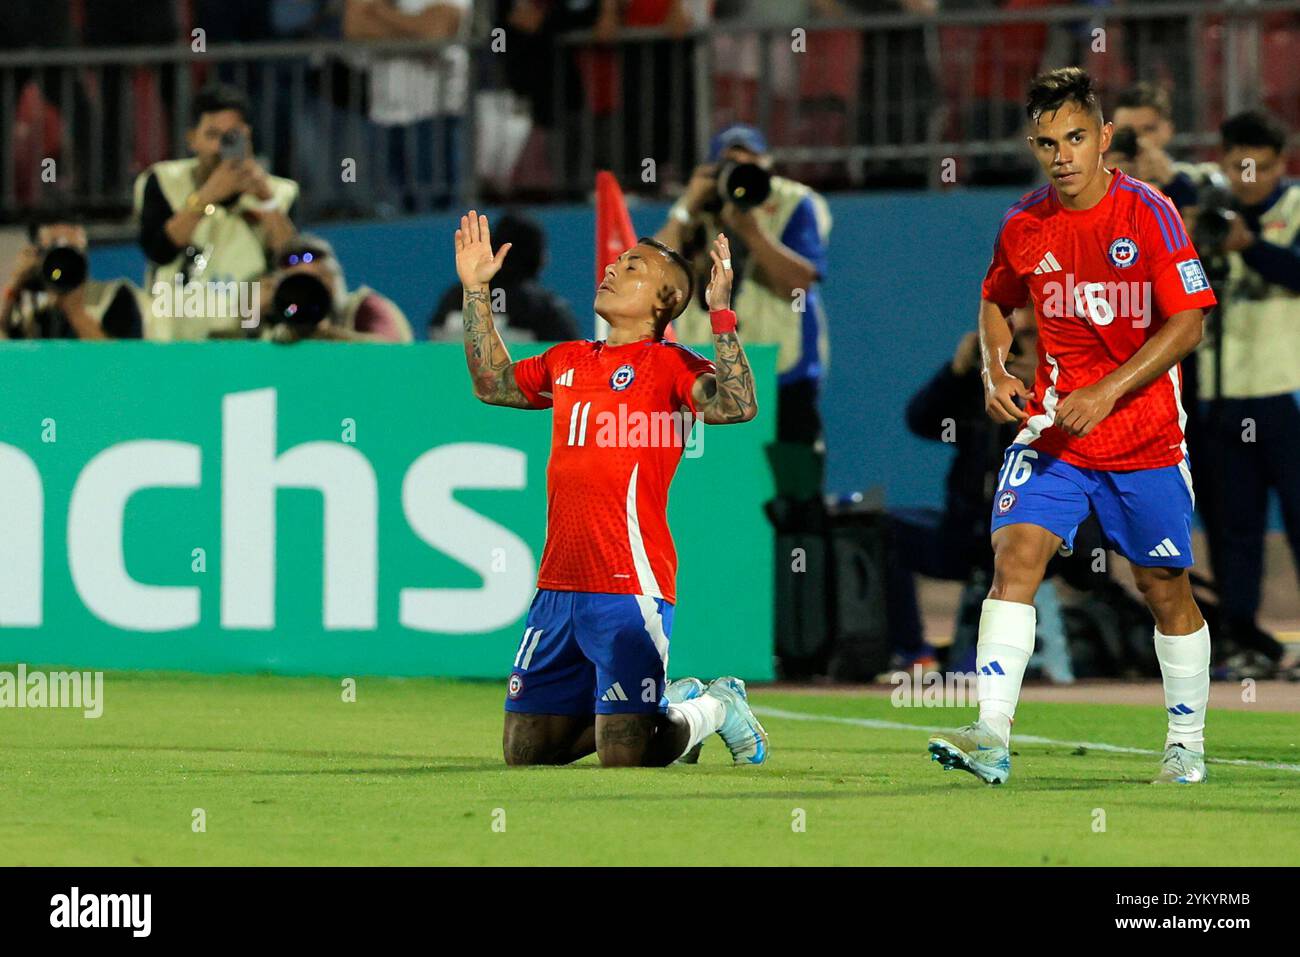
(590, 673)
(1120, 297)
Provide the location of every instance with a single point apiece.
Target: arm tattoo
(489, 362)
(729, 396)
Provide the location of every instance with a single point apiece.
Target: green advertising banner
(322, 509)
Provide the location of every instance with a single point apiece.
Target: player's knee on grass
(545, 738)
(626, 740)
(1020, 557)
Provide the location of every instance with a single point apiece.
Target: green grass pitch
(286, 772)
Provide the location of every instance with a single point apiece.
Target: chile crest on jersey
(622, 378)
(1123, 252)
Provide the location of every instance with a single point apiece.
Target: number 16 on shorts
(1017, 467)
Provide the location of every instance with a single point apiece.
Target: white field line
(881, 725)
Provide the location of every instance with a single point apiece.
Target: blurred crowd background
(522, 99)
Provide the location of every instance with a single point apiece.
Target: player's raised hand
(1081, 410)
(1000, 394)
(718, 295)
(475, 263)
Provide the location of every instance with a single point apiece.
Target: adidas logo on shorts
(1165, 549)
(615, 693)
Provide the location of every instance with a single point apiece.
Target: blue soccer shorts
(1145, 515)
(587, 653)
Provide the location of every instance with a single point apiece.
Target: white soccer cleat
(686, 689)
(974, 748)
(683, 689)
(741, 731)
(1181, 765)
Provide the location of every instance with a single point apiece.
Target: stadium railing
(847, 102)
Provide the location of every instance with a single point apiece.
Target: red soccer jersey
(620, 418)
(1103, 281)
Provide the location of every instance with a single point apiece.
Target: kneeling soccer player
(1119, 295)
(590, 673)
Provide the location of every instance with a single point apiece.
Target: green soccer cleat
(744, 736)
(686, 689)
(973, 748)
(1181, 765)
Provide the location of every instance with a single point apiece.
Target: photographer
(309, 299)
(1251, 238)
(778, 230)
(50, 296)
(215, 217)
(1144, 128)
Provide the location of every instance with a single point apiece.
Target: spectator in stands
(532, 27)
(35, 130)
(1156, 46)
(52, 296)
(122, 89)
(416, 102)
(897, 89)
(1007, 57)
(656, 76)
(359, 315)
(528, 311)
(215, 217)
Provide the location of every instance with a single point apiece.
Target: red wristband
(723, 321)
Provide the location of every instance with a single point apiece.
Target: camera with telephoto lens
(63, 268)
(1215, 212)
(745, 184)
(1125, 143)
(301, 300)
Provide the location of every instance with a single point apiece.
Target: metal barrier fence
(396, 126)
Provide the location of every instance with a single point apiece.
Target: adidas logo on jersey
(1165, 549)
(615, 693)
(1047, 264)
(565, 379)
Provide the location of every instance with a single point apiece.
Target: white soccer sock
(1185, 668)
(1006, 641)
(703, 715)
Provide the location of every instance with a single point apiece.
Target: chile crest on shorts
(1123, 252)
(1006, 501)
(622, 378)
